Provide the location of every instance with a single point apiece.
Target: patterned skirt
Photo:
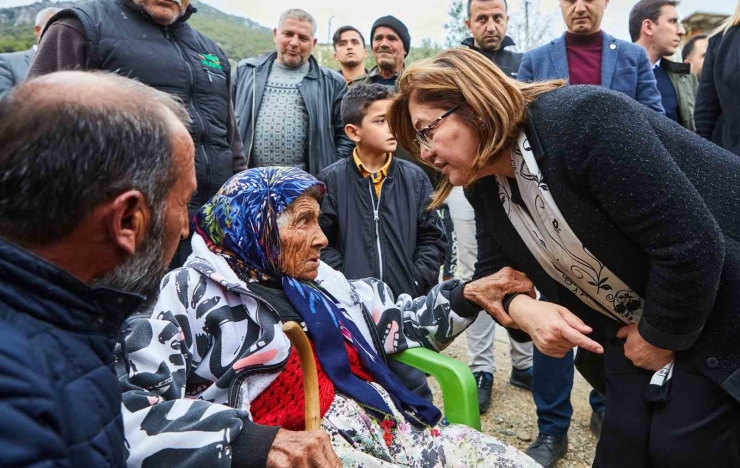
(362, 442)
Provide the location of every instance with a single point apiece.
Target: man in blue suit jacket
(583, 55)
(624, 66)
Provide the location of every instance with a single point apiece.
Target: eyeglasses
(423, 138)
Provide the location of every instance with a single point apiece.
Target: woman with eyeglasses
(627, 223)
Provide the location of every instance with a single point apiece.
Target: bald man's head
(72, 142)
(97, 91)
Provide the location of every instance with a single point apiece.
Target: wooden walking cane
(310, 377)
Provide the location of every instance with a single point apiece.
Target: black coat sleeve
(491, 257)
(329, 222)
(238, 160)
(431, 239)
(342, 143)
(707, 109)
(619, 159)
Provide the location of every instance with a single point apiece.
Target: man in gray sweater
(288, 107)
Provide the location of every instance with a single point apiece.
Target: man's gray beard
(142, 272)
(387, 66)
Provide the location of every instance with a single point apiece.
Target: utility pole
(328, 34)
(527, 4)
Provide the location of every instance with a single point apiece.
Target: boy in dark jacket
(375, 212)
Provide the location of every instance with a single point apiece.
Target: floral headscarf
(240, 221)
(240, 224)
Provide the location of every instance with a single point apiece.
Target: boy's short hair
(338, 35)
(359, 98)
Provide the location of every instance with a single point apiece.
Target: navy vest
(175, 59)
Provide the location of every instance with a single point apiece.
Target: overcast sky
(424, 18)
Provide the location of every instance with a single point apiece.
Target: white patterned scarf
(564, 257)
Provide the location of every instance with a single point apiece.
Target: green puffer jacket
(685, 83)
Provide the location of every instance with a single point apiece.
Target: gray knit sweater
(281, 134)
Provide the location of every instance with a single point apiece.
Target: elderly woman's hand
(554, 330)
(310, 449)
(488, 292)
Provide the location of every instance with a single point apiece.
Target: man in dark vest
(151, 41)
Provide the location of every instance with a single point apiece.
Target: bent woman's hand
(488, 292)
(554, 330)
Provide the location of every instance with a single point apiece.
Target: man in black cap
(391, 42)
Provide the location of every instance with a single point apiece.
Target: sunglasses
(423, 138)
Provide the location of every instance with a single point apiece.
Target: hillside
(238, 37)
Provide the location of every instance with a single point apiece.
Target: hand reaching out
(554, 329)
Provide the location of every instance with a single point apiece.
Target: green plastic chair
(459, 391)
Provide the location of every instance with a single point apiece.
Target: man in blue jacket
(584, 55)
(97, 172)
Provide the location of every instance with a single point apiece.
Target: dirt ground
(512, 418)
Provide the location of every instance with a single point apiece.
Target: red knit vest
(283, 402)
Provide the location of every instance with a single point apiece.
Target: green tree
(428, 49)
(455, 27)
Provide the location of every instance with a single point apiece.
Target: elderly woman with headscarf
(621, 218)
(209, 377)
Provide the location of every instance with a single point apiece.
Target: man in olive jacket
(654, 24)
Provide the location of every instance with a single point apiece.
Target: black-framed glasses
(422, 136)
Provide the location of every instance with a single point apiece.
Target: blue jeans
(552, 382)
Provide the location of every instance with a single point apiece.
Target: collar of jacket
(470, 42)
(355, 171)
(269, 58)
(189, 11)
(376, 72)
(675, 67)
(534, 140)
(48, 293)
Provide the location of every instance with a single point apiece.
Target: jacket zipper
(254, 113)
(376, 218)
(194, 103)
(234, 387)
(309, 169)
(374, 333)
(211, 75)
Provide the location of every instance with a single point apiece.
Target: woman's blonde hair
(733, 20)
(490, 102)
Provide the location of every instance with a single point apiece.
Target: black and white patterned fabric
(190, 369)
